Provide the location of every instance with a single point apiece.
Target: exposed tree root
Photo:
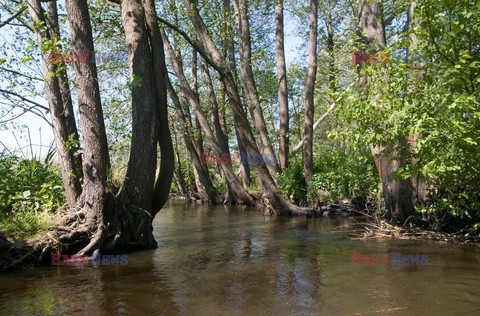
(276, 204)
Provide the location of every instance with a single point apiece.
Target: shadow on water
(217, 260)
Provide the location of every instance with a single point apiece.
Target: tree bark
(59, 101)
(167, 159)
(178, 174)
(139, 183)
(417, 73)
(250, 87)
(282, 86)
(95, 197)
(237, 193)
(310, 94)
(198, 129)
(220, 135)
(332, 84)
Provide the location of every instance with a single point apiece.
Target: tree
(397, 192)
(282, 86)
(207, 48)
(103, 222)
(207, 192)
(59, 99)
(309, 94)
(249, 85)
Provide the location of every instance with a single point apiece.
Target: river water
(215, 260)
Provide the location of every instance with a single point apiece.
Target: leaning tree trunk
(332, 81)
(101, 222)
(283, 147)
(59, 101)
(229, 53)
(250, 87)
(198, 129)
(207, 191)
(244, 168)
(209, 51)
(310, 95)
(398, 193)
(220, 135)
(237, 192)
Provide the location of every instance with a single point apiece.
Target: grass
(26, 224)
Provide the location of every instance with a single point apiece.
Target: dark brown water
(228, 261)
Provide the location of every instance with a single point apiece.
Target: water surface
(216, 260)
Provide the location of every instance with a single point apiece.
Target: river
(216, 260)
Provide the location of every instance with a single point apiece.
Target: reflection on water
(230, 261)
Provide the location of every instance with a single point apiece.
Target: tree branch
(25, 99)
(20, 74)
(14, 16)
(323, 117)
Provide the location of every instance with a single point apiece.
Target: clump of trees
(213, 76)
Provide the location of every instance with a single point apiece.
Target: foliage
(344, 172)
(433, 104)
(292, 181)
(30, 192)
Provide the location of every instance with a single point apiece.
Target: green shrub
(292, 181)
(339, 173)
(30, 192)
(344, 173)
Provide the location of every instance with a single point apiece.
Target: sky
(41, 134)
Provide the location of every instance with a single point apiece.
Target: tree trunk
(229, 53)
(279, 204)
(282, 86)
(167, 159)
(332, 84)
(398, 193)
(206, 190)
(178, 174)
(244, 168)
(220, 135)
(310, 94)
(59, 101)
(239, 195)
(251, 92)
(101, 222)
(139, 183)
(95, 197)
